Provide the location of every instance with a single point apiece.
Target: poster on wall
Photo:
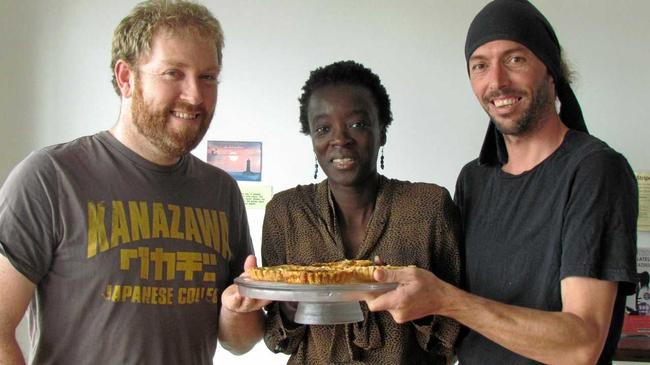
(256, 196)
(637, 316)
(242, 160)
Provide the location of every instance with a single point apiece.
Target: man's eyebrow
(504, 53)
(515, 49)
(476, 57)
(172, 63)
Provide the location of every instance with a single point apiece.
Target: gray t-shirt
(129, 258)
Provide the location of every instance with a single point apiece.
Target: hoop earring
(381, 159)
(315, 167)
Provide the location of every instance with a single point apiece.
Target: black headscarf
(521, 22)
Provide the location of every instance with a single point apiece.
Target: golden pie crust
(338, 272)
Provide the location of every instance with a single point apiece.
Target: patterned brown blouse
(412, 224)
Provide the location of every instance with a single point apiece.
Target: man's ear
(125, 78)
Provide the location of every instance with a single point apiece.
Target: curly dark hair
(348, 73)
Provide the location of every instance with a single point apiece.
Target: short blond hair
(132, 37)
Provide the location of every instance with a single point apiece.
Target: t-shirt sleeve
(29, 231)
(599, 234)
(243, 245)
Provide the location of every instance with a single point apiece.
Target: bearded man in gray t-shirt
(124, 245)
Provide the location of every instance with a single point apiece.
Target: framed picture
(242, 160)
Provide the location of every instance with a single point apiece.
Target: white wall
(55, 79)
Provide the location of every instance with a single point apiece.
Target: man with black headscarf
(549, 212)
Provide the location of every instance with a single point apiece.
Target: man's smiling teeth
(185, 115)
(504, 102)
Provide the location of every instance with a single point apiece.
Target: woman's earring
(381, 159)
(315, 167)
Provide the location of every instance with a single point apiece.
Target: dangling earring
(315, 167)
(381, 159)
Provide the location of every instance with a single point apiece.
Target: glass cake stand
(317, 304)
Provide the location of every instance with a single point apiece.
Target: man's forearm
(10, 353)
(239, 332)
(548, 337)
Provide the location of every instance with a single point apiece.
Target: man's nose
(498, 77)
(192, 92)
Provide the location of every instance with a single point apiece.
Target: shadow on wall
(18, 40)
(17, 60)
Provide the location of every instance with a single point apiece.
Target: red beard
(152, 124)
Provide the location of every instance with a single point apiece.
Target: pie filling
(338, 272)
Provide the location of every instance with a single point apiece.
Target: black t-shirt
(574, 214)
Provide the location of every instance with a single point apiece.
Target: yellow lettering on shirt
(96, 228)
(209, 227)
(225, 248)
(191, 227)
(162, 260)
(176, 221)
(139, 215)
(167, 264)
(120, 230)
(136, 297)
(134, 221)
(160, 295)
(160, 227)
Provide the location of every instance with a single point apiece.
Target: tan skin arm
(15, 293)
(241, 321)
(575, 335)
